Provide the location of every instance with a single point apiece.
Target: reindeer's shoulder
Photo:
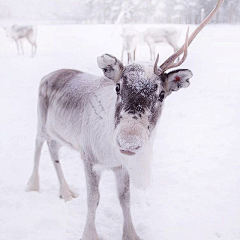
(74, 82)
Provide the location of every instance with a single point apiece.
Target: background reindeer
(130, 41)
(152, 36)
(114, 129)
(18, 33)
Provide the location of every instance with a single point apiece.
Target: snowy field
(195, 193)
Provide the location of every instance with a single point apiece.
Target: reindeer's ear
(111, 66)
(177, 79)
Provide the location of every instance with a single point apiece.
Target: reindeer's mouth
(127, 152)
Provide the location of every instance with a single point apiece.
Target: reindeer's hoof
(131, 238)
(130, 235)
(67, 195)
(92, 237)
(33, 185)
(88, 238)
(90, 232)
(32, 188)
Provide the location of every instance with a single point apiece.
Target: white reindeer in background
(18, 33)
(131, 38)
(152, 36)
(111, 129)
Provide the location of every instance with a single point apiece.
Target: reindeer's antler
(169, 63)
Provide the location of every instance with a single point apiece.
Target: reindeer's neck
(99, 123)
(102, 102)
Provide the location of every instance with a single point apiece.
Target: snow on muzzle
(131, 135)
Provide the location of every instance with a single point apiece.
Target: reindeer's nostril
(137, 148)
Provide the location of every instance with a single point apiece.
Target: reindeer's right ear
(111, 66)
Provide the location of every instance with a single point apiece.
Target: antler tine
(155, 66)
(185, 53)
(169, 62)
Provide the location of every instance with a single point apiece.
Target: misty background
(117, 11)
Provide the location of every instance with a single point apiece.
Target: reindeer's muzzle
(131, 137)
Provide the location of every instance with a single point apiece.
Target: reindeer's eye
(118, 88)
(161, 96)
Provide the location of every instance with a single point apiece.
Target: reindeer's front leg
(123, 187)
(92, 181)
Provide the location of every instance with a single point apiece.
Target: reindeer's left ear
(111, 66)
(177, 79)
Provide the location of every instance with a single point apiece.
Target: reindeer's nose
(129, 144)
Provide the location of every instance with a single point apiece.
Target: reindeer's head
(140, 98)
(141, 89)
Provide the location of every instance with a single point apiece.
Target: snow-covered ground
(195, 193)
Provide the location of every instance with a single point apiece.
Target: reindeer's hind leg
(65, 191)
(32, 40)
(172, 42)
(16, 41)
(21, 46)
(34, 49)
(129, 57)
(134, 55)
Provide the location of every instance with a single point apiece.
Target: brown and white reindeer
(110, 120)
(18, 33)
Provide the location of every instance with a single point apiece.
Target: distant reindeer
(111, 129)
(152, 36)
(130, 41)
(18, 33)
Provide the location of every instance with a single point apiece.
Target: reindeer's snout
(131, 138)
(129, 144)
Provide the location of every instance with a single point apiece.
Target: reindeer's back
(63, 97)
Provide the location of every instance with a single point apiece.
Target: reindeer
(18, 33)
(111, 129)
(151, 36)
(131, 38)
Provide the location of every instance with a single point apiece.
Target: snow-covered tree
(120, 11)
